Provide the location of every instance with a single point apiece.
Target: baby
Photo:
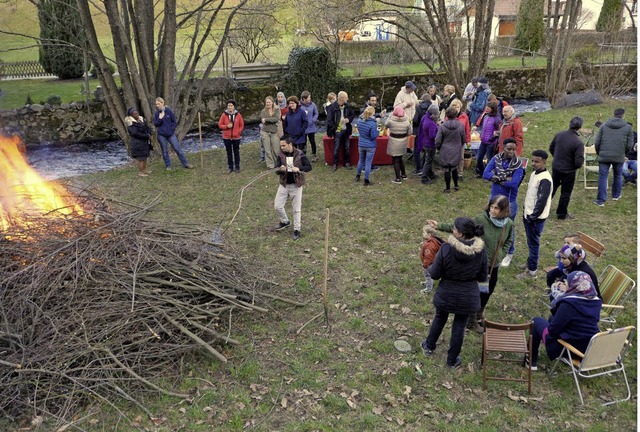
(428, 249)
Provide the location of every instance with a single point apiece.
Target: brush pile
(103, 306)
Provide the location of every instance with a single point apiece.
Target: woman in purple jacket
(426, 141)
(488, 137)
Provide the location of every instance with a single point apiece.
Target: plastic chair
(602, 357)
(615, 287)
(505, 338)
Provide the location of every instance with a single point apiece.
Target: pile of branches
(101, 306)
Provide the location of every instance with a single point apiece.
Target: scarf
(282, 104)
(500, 223)
(579, 285)
(501, 172)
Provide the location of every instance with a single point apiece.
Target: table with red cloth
(380, 158)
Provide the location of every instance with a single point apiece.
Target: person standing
(368, 129)
(511, 127)
(165, 122)
(470, 90)
(140, 134)
(340, 115)
(460, 264)
(450, 140)
(476, 108)
(537, 203)
(567, 150)
(464, 119)
(407, 99)
(449, 96)
(296, 123)
(488, 136)
(270, 117)
(421, 110)
(293, 165)
(232, 125)
(505, 172)
(310, 108)
(613, 141)
(399, 131)
(427, 140)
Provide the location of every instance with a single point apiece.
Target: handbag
(484, 286)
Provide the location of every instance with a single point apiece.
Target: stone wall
(79, 121)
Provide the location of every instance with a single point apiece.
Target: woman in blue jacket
(368, 129)
(310, 108)
(479, 100)
(165, 121)
(295, 124)
(575, 320)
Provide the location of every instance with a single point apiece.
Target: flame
(23, 193)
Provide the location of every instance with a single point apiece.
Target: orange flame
(23, 193)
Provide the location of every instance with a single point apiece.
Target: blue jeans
(366, 158)
(630, 165)
(484, 149)
(603, 176)
(457, 333)
(533, 230)
(175, 145)
(513, 207)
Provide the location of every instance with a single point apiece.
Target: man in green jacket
(613, 141)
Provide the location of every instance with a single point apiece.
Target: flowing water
(56, 161)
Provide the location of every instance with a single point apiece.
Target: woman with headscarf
(283, 106)
(140, 133)
(399, 130)
(460, 264)
(577, 312)
(572, 258)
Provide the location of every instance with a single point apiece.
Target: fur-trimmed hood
(128, 120)
(466, 247)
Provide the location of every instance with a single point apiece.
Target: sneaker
(396, 181)
(416, 173)
(357, 177)
(527, 275)
(283, 225)
(616, 198)
(347, 166)
(314, 158)
(168, 168)
(506, 261)
(143, 174)
(456, 364)
(427, 352)
(189, 167)
(335, 167)
(296, 234)
(460, 178)
(534, 366)
(446, 191)
(599, 203)
(375, 167)
(229, 171)
(404, 177)
(456, 188)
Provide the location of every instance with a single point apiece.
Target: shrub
(310, 69)
(386, 55)
(54, 100)
(94, 72)
(29, 101)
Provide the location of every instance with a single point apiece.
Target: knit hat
(411, 85)
(398, 111)
(130, 111)
(483, 80)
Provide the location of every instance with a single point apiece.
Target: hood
(232, 113)
(616, 123)
(128, 120)
(464, 250)
(586, 307)
(451, 124)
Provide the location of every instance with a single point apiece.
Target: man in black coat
(568, 156)
(340, 115)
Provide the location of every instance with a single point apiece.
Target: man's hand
(229, 126)
(282, 168)
(295, 169)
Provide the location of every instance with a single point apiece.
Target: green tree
(530, 25)
(610, 19)
(61, 39)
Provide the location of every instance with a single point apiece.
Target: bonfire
(97, 302)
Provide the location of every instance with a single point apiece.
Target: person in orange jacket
(232, 125)
(511, 127)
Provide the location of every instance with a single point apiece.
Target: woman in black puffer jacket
(460, 264)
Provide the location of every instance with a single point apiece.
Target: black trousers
(565, 181)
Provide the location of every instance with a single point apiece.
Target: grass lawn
(349, 377)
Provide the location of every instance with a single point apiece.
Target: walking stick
(326, 271)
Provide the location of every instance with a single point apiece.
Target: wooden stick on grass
(326, 271)
(200, 132)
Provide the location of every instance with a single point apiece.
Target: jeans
(513, 207)
(233, 152)
(366, 158)
(457, 333)
(427, 167)
(552, 346)
(282, 195)
(493, 281)
(603, 176)
(484, 149)
(341, 139)
(566, 180)
(630, 165)
(533, 230)
(175, 145)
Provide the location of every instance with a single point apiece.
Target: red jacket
(429, 249)
(238, 125)
(464, 119)
(512, 128)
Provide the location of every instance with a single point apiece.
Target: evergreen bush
(54, 100)
(610, 19)
(530, 25)
(311, 69)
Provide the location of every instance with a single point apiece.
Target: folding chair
(602, 357)
(505, 338)
(590, 165)
(591, 245)
(615, 287)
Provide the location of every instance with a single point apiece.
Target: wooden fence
(24, 69)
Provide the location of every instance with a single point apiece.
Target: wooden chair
(590, 166)
(603, 357)
(615, 287)
(506, 338)
(591, 245)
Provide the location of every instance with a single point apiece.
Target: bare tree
(561, 26)
(257, 31)
(436, 24)
(147, 62)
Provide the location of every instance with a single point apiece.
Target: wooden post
(201, 149)
(326, 271)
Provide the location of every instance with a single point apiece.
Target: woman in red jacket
(232, 125)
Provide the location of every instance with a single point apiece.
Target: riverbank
(350, 377)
